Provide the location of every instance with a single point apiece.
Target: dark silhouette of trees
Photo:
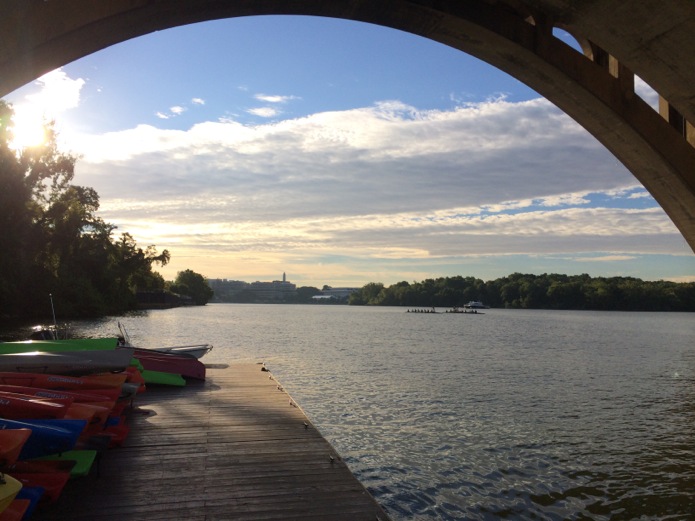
(527, 291)
(194, 285)
(52, 241)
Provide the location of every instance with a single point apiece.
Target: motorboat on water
(475, 304)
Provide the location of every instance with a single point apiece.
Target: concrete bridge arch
(653, 39)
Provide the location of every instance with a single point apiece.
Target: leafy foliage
(52, 241)
(546, 291)
(192, 285)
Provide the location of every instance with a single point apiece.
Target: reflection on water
(510, 414)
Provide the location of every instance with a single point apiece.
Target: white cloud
(264, 112)
(640, 195)
(51, 95)
(274, 98)
(177, 110)
(388, 181)
(58, 92)
(198, 101)
(606, 258)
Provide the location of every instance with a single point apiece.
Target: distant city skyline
(345, 152)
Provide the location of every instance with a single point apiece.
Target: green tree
(193, 285)
(553, 291)
(53, 241)
(33, 181)
(367, 294)
(306, 293)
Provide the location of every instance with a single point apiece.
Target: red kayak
(118, 434)
(134, 376)
(52, 482)
(16, 510)
(185, 365)
(22, 406)
(11, 443)
(40, 466)
(61, 382)
(104, 395)
(93, 414)
(100, 413)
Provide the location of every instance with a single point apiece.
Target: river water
(510, 414)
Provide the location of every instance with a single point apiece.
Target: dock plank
(235, 447)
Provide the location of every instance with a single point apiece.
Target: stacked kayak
(64, 401)
(164, 365)
(42, 448)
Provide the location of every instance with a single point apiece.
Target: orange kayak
(11, 443)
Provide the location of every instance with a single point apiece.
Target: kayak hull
(9, 487)
(47, 436)
(73, 363)
(52, 346)
(186, 366)
(12, 440)
(64, 382)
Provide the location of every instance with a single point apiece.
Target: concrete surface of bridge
(620, 39)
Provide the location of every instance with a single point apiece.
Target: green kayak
(162, 378)
(83, 460)
(73, 344)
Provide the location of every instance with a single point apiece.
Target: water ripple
(513, 415)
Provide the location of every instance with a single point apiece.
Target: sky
(343, 153)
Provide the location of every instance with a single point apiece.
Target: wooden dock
(234, 447)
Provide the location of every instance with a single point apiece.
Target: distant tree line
(526, 291)
(53, 243)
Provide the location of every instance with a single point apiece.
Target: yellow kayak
(9, 487)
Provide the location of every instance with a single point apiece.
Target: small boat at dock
(196, 351)
(184, 365)
(193, 350)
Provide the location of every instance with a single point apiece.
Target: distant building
(336, 293)
(275, 291)
(226, 290)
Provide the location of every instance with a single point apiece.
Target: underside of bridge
(621, 39)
